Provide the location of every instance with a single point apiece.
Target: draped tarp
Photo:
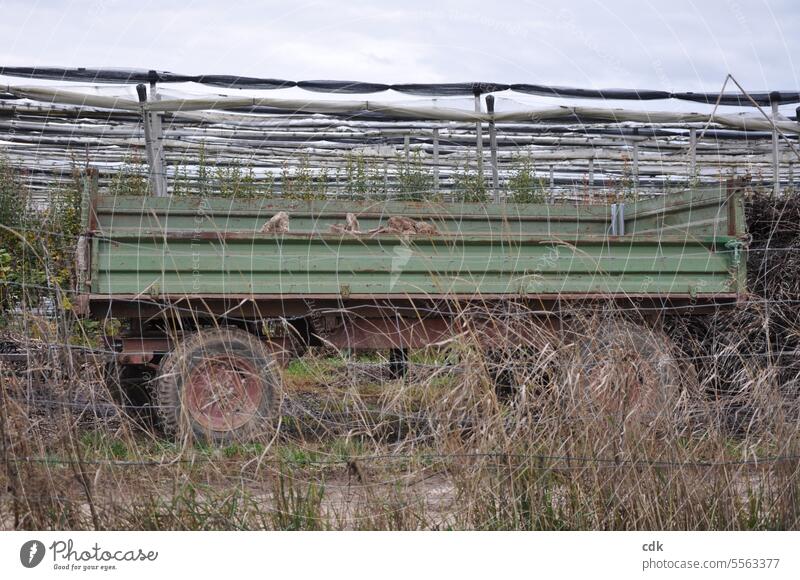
(750, 122)
(616, 94)
(345, 87)
(234, 82)
(449, 89)
(96, 75)
(117, 75)
(49, 95)
(740, 100)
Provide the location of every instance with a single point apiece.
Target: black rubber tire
(130, 387)
(524, 368)
(398, 363)
(241, 349)
(650, 379)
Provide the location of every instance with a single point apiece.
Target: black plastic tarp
(740, 100)
(95, 75)
(616, 94)
(234, 82)
(448, 89)
(119, 75)
(344, 87)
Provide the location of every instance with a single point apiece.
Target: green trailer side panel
(314, 265)
(678, 244)
(698, 212)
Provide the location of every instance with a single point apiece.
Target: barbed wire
(423, 456)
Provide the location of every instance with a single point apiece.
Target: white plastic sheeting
(747, 121)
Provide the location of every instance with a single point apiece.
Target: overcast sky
(672, 45)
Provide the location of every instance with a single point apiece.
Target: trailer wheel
(216, 385)
(629, 371)
(524, 367)
(130, 388)
(398, 363)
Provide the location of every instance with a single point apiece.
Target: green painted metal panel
(701, 212)
(120, 214)
(678, 244)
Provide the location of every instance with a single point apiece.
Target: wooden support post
(88, 191)
(552, 184)
(692, 154)
(479, 134)
(153, 143)
(776, 177)
(407, 148)
(141, 91)
(89, 222)
(493, 149)
(159, 158)
(591, 174)
(436, 160)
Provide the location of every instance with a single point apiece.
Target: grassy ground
(354, 450)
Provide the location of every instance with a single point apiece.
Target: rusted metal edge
(376, 296)
(423, 210)
(265, 307)
(470, 238)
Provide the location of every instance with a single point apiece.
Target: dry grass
(441, 451)
(690, 424)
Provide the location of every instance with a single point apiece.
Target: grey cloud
(678, 45)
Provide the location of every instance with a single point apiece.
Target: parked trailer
(211, 304)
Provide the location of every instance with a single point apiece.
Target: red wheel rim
(223, 393)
